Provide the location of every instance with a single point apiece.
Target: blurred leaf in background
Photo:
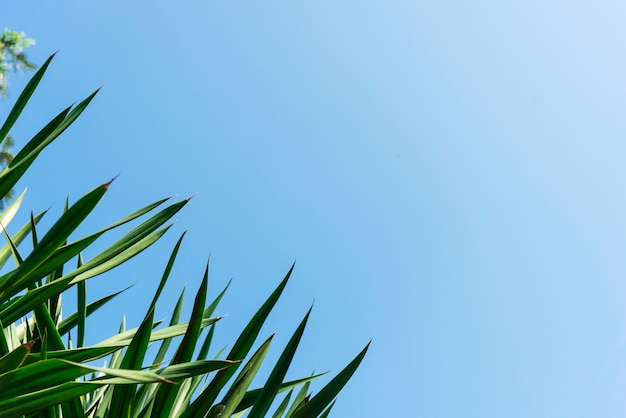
(12, 56)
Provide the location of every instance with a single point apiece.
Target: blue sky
(448, 175)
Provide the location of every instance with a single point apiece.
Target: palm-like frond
(42, 375)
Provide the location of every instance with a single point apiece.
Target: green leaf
(202, 355)
(124, 338)
(45, 324)
(206, 344)
(134, 237)
(58, 233)
(209, 310)
(237, 391)
(283, 406)
(252, 395)
(72, 320)
(19, 306)
(9, 212)
(43, 320)
(166, 273)
(76, 355)
(146, 392)
(165, 343)
(166, 395)
(22, 161)
(319, 402)
(47, 373)
(270, 389)
(31, 150)
(182, 371)
(15, 358)
(92, 269)
(24, 97)
(14, 252)
(35, 401)
(35, 386)
(239, 351)
(68, 251)
(327, 411)
(124, 249)
(122, 397)
(81, 304)
(5, 251)
(300, 398)
(4, 341)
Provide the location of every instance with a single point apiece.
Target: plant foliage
(42, 373)
(12, 59)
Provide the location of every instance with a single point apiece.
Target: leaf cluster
(43, 372)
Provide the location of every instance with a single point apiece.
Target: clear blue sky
(449, 176)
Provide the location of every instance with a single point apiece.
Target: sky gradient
(448, 175)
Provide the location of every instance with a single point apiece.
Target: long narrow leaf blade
(72, 320)
(12, 173)
(237, 391)
(270, 389)
(56, 236)
(239, 351)
(18, 237)
(166, 395)
(23, 98)
(121, 399)
(319, 402)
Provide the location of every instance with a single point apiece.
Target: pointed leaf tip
(107, 184)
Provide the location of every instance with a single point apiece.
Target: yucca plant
(43, 375)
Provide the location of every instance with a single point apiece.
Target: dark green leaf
(270, 389)
(319, 402)
(24, 97)
(166, 395)
(239, 351)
